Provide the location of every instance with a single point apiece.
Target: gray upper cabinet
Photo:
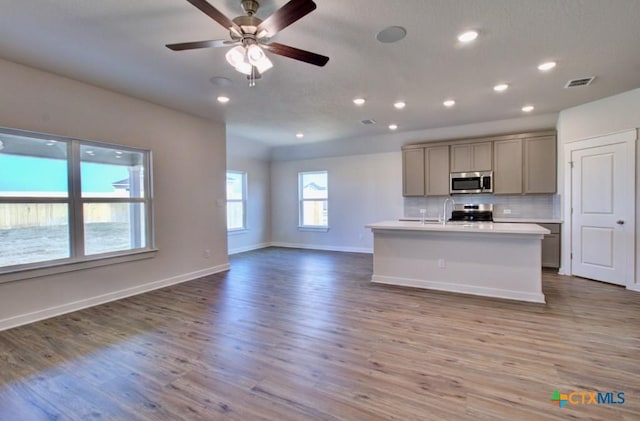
(471, 157)
(540, 164)
(507, 166)
(413, 172)
(524, 165)
(436, 170)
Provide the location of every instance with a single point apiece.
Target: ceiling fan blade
(297, 54)
(201, 44)
(214, 14)
(286, 15)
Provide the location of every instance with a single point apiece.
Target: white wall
(386, 141)
(189, 188)
(362, 189)
(253, 158)
(605, 116)
(609, 115)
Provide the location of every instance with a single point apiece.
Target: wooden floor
(294, 335)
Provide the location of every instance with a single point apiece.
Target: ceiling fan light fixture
(258, 58)
(235, 56)
(264, 65)
(244, 68)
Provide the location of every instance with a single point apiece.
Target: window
(236, 200)
(66, 200)
(313, 193)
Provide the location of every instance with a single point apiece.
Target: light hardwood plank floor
(303, 335)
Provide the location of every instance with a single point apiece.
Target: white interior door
(602, 199)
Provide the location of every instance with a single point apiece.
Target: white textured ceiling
(120, 45)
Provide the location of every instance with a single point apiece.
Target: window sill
(237, 231)
(313, 229)
(49, 268)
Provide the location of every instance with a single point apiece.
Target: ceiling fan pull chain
(252, 77)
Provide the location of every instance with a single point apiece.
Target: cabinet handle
(620, 222)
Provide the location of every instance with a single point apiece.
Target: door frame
(629, 138)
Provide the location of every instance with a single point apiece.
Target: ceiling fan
(250, 35)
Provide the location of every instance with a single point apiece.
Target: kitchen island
(482, 258)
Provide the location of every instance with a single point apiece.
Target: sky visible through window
(20, 174)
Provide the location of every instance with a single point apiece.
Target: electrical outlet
(441, 264)
(506, 211)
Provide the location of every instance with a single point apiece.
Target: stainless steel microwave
(471, 182)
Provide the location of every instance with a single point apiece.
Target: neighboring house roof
(122, 184)
(314, 186)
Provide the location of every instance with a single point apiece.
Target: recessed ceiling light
(118, 152)
(468, 36)
(501, 87)
(299, 135)
(547, 66)
(400, 105)
(90, 153)
(51, 143)
(393, 126)
(223, 99)
(528, 108)
(449, 103)
(359, 101)
(391, 34)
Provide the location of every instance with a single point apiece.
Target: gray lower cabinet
(551, 246)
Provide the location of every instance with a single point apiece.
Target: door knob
(620, 222)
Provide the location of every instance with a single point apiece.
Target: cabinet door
(551, 251)
(471, 157)
(540, 165)
(507, 166)
(460, 158)
(481, 156)
(413, 172)
(437, 170)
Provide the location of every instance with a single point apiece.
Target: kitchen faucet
(444, 208)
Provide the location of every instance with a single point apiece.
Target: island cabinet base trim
(531, 297)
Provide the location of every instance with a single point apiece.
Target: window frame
(302, 200)
(78, 259)
(243, 201)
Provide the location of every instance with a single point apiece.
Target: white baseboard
(248, 248)
(47, 313)
(461, 288)
(634, 287)
(326, 248)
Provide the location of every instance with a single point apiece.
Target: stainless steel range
(470, 212)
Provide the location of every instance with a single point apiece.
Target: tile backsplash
(545, 206)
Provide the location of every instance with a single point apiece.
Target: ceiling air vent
(583, 81)
(368, 121)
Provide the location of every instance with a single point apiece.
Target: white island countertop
(463, 227)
